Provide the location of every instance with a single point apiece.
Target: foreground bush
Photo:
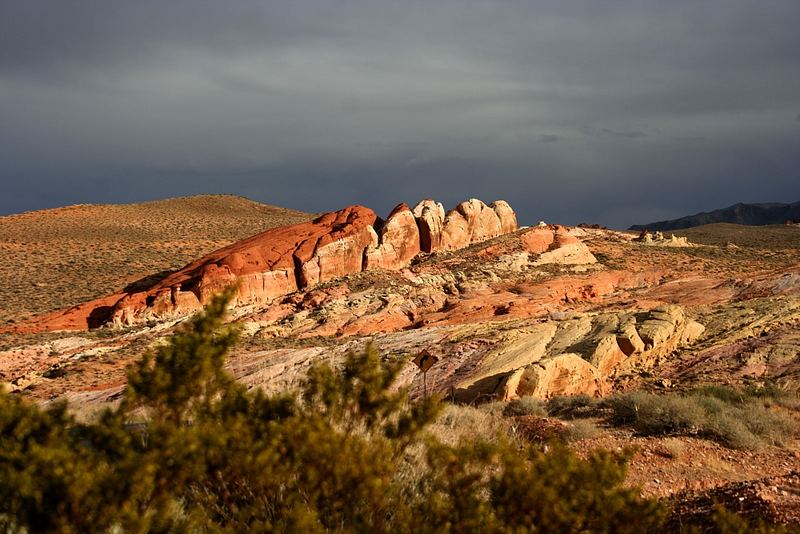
(206, 455)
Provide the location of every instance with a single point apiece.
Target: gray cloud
(615, 112)
(624, 134)
(627, 134)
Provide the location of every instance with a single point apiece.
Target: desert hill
(769, 237)
(748, 214)
(54, 258)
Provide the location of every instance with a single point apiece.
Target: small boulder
(566, 374)
(538, 240)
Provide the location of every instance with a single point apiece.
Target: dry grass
(459, 422)
(525, 406)
(737, 420)
(764, 237)
(580, 429)
(726, 250)
(56, 258)
(673, 448)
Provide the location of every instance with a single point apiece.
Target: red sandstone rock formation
(472, 221)
(508, 219)
(538, 239)
(430, 218)
(268, 265)
(399, 241)
(280, 261)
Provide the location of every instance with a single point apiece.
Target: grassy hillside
(55, 258)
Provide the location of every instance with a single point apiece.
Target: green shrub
(655, 414)
(772, 425)
(711, 405)
(538, 489)
(732, 417)
(571, 406)
(723, 521)
(580, 429)
(724, 393)
(524, 406)
(769, 394)
(729, 430)
(772, 394)
(767, 390)
(49, 481)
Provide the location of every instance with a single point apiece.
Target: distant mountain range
(750, 214)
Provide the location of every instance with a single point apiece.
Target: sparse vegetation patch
(740, 419)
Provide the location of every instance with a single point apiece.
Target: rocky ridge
(526, 313)
(283, 260)
(508, 316)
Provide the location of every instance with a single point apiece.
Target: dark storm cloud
(615, 112)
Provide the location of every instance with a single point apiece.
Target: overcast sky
(615, 111)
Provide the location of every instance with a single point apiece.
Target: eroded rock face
(430, 218)
(399, 241)
(566, 249)
(581, 355)
(508, 219)
(565, 374)
(628, 338)
(335, 254)
(470, 222)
